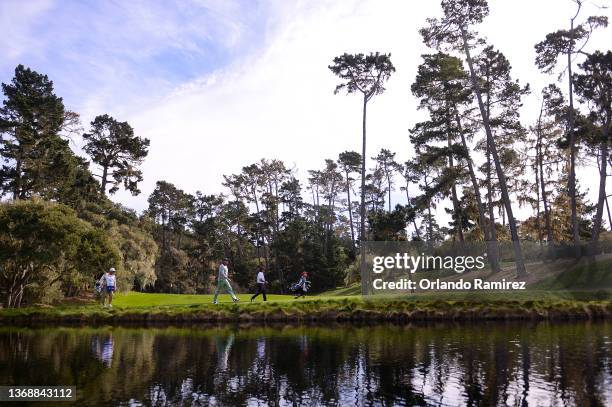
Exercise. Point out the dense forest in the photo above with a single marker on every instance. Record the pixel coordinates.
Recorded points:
(474, 157)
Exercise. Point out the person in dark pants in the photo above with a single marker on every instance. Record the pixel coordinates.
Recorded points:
(261, 285)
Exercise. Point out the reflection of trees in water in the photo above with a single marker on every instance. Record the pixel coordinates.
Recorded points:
(472, 365)
(65, 357)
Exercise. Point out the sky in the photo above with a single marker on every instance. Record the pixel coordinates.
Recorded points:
(219, 84)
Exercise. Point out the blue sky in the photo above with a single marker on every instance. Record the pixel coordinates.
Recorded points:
(219, 84)
(96, 50)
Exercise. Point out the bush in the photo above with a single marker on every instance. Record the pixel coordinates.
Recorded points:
(43, 244)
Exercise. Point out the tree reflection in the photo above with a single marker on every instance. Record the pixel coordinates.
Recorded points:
(486, 364)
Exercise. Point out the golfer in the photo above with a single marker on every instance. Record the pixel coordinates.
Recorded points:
(302, 285)
(108, 284)
(100, 288)
(261, 285)
(223, 281)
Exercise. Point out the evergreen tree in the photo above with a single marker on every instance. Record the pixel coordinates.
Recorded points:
(385, 160)
(502, 98)
(388, 226)
(439, 86)
(571, 44)
(375, 189)
(331, 181)
(114, 147)
(35, 159)
(546, 158)
(410, 174)
(365, 74)
(424, 172)
(453, 31)
(291, 197)
(594, 87)
(349, 162)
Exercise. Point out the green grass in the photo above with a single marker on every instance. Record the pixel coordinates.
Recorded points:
(136, 300)
(580, 291)
(140, 300)
(582, 277)
(140, 307)
(353, 289)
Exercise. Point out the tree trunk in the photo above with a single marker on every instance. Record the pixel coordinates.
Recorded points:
(17, 186)
(549, 236)
(350, 208)
(429, 218)
(20, 295)
(538, 215)
(492, 249)
(456, 206)
(365, 285)
(416, 229)
(326, 229)
(609, 216)
(163, 230)
(520, 265)
(260, 233)
(389, 186)
(572, 141)
(539, 180)
(104, 180)
(275, 234)
(238, 243)
(492, 228)
(429, 224)
(16, 288)
(318, 206)
(277, 215)
(602, 189)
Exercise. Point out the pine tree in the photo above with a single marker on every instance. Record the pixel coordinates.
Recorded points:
(571, 44)
(350, 162)
(365, 74)
(410, 174)
(546, 158)
(502, 98)
(35, 159)
(594, 87)
(385, 160)
(439, 86)
(453, 31)
(114, 147)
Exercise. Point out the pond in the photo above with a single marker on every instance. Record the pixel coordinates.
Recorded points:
(514, 364)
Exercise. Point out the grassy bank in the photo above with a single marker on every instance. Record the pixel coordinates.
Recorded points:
(560, 290)
(144, 308)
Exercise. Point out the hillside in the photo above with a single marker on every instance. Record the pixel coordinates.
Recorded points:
(561, 275)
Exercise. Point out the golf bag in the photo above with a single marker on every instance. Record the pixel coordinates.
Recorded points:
(300, 286)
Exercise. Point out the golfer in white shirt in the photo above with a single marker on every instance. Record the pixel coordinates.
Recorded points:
(223, 282)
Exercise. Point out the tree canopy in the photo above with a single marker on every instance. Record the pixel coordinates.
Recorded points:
(114, 147)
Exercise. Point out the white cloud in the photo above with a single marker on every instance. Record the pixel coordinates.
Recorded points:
(275, 99)
(278, 102)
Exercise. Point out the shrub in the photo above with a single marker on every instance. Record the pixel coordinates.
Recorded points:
(43, 244)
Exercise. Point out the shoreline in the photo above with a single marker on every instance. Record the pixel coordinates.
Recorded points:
(316, 311)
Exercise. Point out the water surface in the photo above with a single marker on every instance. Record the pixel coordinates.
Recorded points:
(487, 364)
